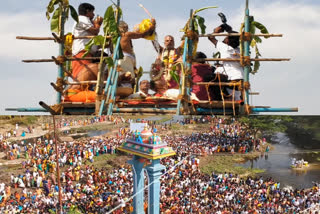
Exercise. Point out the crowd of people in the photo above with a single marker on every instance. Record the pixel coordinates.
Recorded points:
(184, 188)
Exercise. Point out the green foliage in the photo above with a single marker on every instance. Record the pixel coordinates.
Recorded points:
(110, 26)
(261, 27)
(196, 21)
(63, 9)
(267, 124)
(74, 13)
(138, 73)
(55, 20)
(175, 76)
(256, 39)
(97, 40)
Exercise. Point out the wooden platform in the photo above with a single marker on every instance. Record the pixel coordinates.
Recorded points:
(163, 107)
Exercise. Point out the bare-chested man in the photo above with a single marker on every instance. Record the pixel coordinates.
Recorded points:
(128, 62)
(168, 55)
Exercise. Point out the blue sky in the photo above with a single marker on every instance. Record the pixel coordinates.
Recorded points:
(285, 84)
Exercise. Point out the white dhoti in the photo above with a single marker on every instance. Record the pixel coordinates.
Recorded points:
(127, 64)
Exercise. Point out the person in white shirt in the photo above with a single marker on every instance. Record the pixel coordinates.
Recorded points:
(229, 48)
(85, 27)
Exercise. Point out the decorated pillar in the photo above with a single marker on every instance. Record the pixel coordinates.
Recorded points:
(154, 172)
(138, 185)
(146, 147)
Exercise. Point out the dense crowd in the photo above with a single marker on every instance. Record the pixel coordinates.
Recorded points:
(184, 189)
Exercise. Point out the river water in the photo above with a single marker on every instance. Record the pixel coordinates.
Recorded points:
(277, 164)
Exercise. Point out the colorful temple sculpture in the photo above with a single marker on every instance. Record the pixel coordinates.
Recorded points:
(146, 147)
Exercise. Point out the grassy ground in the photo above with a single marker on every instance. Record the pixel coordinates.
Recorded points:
(227, 163)
(21, 120)
(109, 161)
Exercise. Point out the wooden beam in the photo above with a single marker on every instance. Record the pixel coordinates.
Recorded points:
(216, 83)
(254, 93)
(238, 34)
(252, 59)
(52, 38)
(67, 59)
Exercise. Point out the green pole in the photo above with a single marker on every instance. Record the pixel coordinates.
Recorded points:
(61, 48)
(246, 51)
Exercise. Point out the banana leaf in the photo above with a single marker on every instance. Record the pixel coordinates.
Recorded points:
(109, 62)
(195, 26)
(201, 24)
(203, 8)
(256, 67)
(50, 7)
(175, 76)
(110, 24)
(257, 39)
(97, 40)
(74, 13)
(55, 20)
(261, 27)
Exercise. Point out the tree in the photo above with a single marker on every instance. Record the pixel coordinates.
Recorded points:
(267, 124)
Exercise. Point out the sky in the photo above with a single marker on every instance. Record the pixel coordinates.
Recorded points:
(280, 84)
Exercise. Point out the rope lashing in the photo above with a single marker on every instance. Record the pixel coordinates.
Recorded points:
(58, 108)
(183, 97)
(245, 61)
(246, 85)
(119, 69)
(192, 35)
(59, 84)
(59, 60)
(245, 36)
(101, 97)
(248, 109)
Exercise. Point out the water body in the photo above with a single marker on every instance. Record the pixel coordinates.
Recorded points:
(93, 133)
(277, 164)
(97, 133)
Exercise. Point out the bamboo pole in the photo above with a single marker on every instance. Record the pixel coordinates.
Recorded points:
(251, 59)
(254, 93)
(145, 110)
(67, 59)
(247, 53)
(109, 37)
(83, 82)
(52, 38)
(57, 162)
(239, 34)
(216, 83)
(207, 59)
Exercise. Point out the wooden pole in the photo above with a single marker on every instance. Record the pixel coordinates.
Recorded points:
(247, 68)
(52, 38)
(57, 162)
(207, 59)
(251, 59)
(216, 83)
(239, 34)
(62, 19)
(67, 59)
(83, 82)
